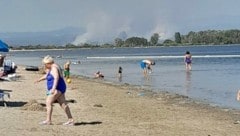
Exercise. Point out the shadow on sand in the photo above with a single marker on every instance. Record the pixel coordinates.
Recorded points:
(12, 104)
(87, 123)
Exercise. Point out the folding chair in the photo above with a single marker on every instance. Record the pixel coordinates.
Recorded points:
(2, 95)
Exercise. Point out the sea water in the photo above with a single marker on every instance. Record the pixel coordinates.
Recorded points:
(213, 79)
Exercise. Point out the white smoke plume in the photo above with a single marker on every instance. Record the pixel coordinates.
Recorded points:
(101, 28)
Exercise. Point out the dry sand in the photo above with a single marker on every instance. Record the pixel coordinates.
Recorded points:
(104, 109)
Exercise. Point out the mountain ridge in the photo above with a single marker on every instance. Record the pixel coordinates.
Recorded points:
(55, 37)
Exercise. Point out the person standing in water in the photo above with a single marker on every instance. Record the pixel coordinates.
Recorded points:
(120, 73)
(188, 60)
(146, 66)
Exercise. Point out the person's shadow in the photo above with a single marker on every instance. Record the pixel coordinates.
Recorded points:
(87, 123)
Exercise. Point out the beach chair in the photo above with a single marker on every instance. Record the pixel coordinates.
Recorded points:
(2, 95)
(9, 67)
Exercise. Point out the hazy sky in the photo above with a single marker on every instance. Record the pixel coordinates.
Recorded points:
(104, 19)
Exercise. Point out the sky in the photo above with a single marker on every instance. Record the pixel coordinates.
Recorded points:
(105, 19)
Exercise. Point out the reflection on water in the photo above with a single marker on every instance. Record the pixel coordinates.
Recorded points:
(146, 80)
(119, 78)
(188, 82)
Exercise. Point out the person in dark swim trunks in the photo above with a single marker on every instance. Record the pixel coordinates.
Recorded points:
(56, 88)
(188, 60)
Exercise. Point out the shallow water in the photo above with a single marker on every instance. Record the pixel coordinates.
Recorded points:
(214, 77)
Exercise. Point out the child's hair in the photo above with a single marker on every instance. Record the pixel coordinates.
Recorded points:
(187, 52)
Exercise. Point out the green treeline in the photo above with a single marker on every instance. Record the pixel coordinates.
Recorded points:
(215, 37)
(208, 37)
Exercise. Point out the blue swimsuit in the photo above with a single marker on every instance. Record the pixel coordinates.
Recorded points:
(61, 86)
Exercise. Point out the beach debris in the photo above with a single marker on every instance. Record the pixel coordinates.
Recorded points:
(10, 77)
(33, 105)
(31, 68)
(128, 92)
(98, 105)
(141, 94)
(237, 122)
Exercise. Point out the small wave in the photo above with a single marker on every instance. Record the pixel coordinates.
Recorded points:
(164, 57)
(217, 56)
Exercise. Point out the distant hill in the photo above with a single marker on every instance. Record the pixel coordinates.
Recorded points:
(57, 37)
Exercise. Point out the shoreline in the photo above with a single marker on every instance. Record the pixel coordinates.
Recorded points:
(175, 98)
(16, 50)
(106, 109)
(148, 91)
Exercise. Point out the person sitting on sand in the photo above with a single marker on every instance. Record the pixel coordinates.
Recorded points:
(99, 75)
(9, 67)
(146, 66)
(56, 88)
(2, 57)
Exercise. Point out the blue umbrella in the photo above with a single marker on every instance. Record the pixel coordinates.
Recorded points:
(3, 47)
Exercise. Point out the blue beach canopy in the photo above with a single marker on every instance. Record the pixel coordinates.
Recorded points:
(3, 47)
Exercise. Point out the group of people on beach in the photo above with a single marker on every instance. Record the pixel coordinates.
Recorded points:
(100, 75)
(147, 64)
(56, 86)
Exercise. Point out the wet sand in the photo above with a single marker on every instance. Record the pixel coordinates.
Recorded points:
(105, 109)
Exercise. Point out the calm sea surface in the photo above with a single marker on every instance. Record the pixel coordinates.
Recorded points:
(214, 78)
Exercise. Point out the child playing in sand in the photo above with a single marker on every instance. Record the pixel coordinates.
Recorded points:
(99, 75)
(67, 69)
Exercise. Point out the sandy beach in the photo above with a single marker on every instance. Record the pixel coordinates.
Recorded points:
(104, 109)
